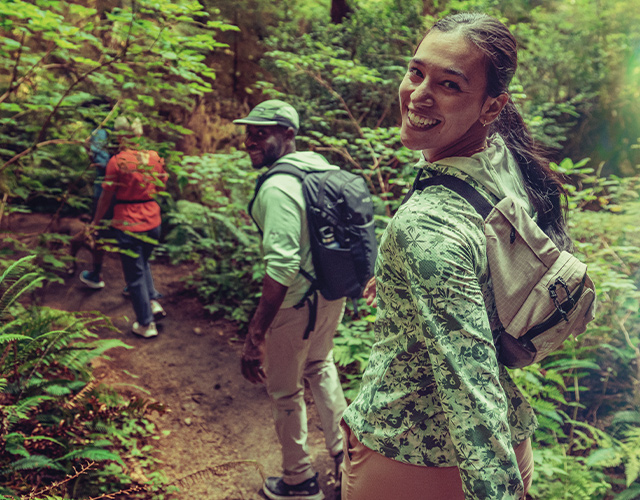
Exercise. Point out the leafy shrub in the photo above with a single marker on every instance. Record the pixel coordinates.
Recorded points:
(71, 68)
(55, 416)
(352, 346)
(216, 233)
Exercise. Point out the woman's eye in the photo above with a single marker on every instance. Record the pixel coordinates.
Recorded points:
(414, 72)
(451, 85)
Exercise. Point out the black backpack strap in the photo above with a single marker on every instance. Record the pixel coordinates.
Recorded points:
(413, 187)
(311, 295)
(311, 298)
(457, 185)
(278, 168)
(131, 202)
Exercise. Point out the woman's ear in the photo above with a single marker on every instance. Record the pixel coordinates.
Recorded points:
(492, 107)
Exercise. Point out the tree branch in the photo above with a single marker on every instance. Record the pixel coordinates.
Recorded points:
(14, 73)
(37, 146)
(375, 159)
(39, 142)
(24, 77)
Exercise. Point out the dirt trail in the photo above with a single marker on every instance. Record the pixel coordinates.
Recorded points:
(215, 417)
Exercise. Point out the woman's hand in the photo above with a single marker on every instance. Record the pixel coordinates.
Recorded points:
(370, 293)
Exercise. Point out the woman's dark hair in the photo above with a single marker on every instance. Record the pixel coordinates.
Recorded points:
(543, 186)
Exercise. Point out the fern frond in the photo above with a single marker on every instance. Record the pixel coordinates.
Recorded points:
(626, 417)
(73, 402)
(101, 427)
(210, 473)
(16, 269)
(94, 454)
(21, 409)
(5, 338)
(18, 278)
(631, 447)
(20, 286)
(632, 493)
(35, 462)
(80, 354)
(57, 390)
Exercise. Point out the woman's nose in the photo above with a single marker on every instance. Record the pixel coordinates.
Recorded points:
(423, 95)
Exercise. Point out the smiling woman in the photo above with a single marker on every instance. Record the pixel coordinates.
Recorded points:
(443, 98)
(437, 416)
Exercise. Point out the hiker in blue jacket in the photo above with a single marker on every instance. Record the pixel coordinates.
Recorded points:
(99, 155)
(275, 352)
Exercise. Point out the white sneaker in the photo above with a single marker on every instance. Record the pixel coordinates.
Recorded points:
(158, 312)
(145, 331)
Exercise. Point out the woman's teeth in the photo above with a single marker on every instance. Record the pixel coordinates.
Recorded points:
(421, 121)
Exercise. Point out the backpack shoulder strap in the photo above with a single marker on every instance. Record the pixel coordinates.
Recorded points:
(464, 189)
(279, 168)
(311, 295)
(285, 168)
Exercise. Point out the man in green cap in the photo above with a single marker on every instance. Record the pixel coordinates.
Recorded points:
(275, 352)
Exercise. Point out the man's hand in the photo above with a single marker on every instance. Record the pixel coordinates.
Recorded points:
(251, 362)
(253, 351)
(370, 292)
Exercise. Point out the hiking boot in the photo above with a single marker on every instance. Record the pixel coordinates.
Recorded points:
(158, 312)
(337, 460)
(276, 489)
(145, 331)
(91, 279)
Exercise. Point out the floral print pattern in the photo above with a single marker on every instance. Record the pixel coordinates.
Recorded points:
(434, 393)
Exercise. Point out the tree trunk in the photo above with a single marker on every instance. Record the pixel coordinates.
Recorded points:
(339, 10)
(428, 7)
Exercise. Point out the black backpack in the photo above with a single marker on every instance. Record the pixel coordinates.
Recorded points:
(341, 232)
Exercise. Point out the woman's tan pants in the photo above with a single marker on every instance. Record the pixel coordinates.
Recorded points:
(367, 475)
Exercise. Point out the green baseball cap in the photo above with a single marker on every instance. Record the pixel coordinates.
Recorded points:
(272, 112)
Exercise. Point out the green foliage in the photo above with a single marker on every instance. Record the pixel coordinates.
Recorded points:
(582, 83)
(352, 347)
(560, 476)
(625, 451)
(343, 81)
(69, 69)
(54, 416)
(216, 233)
(578, 390)
(15, 281)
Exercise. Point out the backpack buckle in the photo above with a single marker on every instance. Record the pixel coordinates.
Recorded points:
(554, 296)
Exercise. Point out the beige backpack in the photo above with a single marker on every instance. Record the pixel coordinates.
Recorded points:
(543, 295)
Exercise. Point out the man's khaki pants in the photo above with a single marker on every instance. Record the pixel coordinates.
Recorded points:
(289, 360)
